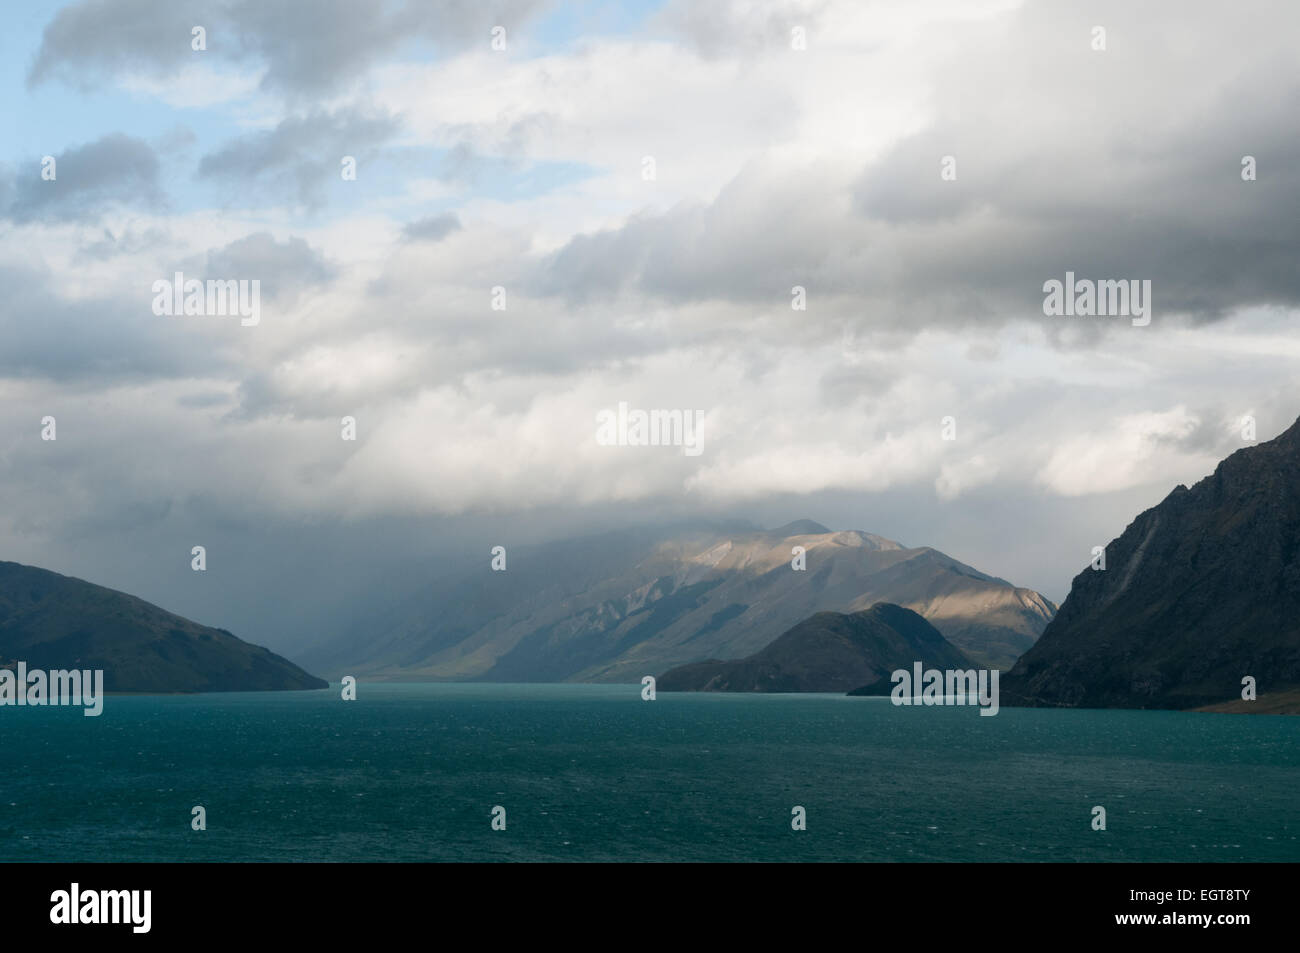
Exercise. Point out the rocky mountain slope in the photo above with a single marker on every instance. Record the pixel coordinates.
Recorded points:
(1199, 592)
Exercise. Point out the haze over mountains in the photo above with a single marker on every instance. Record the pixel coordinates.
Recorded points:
(623, 605)
(53, 622)
(1198, 592)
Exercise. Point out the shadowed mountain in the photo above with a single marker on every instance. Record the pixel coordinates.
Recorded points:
(623, 605)
(51, 621)
(1199, 592)
(831, 652)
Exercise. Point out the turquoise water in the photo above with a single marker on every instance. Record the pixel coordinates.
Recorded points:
(592, 772)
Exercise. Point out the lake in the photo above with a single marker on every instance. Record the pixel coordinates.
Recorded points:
(412, 772)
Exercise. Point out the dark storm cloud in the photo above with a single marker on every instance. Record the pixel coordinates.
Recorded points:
(846, 386)
(306, 47)
(310, 46)
(285, 269)
(93, 341)
(1170, 206)
(87, 40)
(113, 338)
(126, 242)
(762, 235)
(1123, 164)
(721, 29)
(301, 154)
(88, 179)
(432, 229)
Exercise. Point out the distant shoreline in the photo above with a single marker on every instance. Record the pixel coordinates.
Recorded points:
(1273, 703)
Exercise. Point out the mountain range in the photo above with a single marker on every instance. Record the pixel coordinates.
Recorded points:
(626, 604)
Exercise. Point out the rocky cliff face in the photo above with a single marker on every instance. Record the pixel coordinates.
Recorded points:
(1199, 592)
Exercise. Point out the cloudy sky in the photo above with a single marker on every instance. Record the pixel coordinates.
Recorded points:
(647, 182)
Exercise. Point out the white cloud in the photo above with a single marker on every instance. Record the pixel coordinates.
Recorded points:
(1136, 449)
